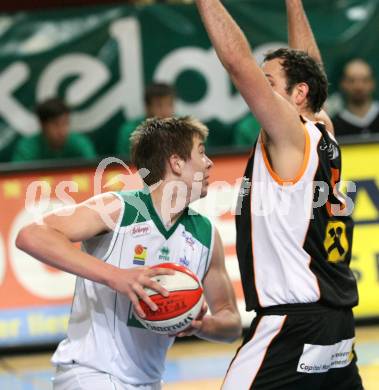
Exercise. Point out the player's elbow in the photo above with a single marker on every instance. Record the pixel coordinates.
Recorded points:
(235, 329)
(26, 239)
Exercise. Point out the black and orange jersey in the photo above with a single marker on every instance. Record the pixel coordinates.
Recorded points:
(294, 238)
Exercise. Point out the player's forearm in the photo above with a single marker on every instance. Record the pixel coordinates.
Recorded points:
(53, 248)
(227, 38)
(224, 326)
(300, 35)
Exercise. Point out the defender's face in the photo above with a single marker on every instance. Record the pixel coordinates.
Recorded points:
(195, 171)
(276, 77)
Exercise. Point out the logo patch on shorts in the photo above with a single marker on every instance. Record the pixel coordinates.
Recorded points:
(321, 358)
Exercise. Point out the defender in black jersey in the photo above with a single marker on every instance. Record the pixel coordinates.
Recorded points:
(294, 233)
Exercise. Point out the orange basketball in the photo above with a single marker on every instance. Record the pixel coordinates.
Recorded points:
(176, 311)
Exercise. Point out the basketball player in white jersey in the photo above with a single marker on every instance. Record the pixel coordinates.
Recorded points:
(106, 347)
(294, 256)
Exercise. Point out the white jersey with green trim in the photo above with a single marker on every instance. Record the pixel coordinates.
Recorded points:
(103, 332)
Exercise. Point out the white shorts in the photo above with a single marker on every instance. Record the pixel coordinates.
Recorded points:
(76, 377)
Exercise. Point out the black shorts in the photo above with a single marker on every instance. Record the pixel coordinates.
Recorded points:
(297, 347)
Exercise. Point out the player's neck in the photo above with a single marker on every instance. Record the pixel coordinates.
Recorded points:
(168, 203)
(309, 115)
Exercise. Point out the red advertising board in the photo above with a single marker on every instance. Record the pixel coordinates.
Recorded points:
(35, 299)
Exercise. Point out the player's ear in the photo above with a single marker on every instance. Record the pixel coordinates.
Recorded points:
(301, 92)
(176, 164)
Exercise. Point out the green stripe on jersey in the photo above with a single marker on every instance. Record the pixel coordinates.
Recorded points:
(199, 226)
(135, 208)
(139, 208)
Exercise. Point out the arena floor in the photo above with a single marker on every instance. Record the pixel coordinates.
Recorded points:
(190, 366)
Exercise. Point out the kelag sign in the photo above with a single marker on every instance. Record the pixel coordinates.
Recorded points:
(100, 59)
(35, 299)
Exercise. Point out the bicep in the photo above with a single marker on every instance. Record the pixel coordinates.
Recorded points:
(218, 288)
(85, 220)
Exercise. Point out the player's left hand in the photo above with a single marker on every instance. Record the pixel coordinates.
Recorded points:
(196, 325)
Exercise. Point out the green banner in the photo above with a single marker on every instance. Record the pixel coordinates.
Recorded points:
(100, 58)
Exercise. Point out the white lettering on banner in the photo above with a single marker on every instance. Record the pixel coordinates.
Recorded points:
(2, 260)
(127, 94)
(33, 275)
(218, 101)
(10, 109)
(91, 73)
(322, 358)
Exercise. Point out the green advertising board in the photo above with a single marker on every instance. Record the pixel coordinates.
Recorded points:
(100, 59)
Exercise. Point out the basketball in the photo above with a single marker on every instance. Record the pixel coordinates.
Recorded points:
(176, 311)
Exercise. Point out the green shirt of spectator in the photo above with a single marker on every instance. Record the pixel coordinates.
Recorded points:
(37, 148)
(123, 142)
(55, 140)
(159, 103)
(247, 131)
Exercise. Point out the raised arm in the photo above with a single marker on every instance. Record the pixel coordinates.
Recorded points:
(52, 242)
(300, 35)
(234, 52)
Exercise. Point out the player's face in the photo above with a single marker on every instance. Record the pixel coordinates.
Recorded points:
(56, 130)
(196, 170)
(161, 107)
(276, 77)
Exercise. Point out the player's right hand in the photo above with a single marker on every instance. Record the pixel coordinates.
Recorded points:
(133, 281)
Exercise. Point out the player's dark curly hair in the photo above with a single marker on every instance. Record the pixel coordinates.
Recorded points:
(299, 67)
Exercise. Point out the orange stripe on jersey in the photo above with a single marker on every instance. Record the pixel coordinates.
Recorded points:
(252, 244)
(303, 167)
(333, 181)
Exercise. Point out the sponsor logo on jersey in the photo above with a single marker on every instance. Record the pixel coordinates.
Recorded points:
(140, 230)
(164, 254)
(189, 240)
(331, 148)
(184, 261)
(336, 243)
(140, 254)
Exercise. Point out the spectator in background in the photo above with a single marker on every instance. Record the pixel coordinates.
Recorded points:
(247, 131)
(361, 113)
(159, 103)
(55, 140)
